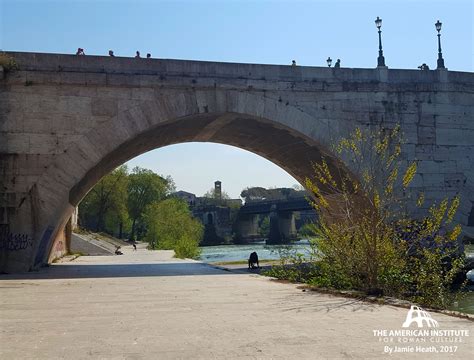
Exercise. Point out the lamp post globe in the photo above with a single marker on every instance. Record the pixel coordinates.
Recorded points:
(440, 62)
(329, 61)
(380, 59)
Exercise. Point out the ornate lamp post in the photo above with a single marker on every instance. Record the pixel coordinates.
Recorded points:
(329, 61)
(440, 55)
(380, 59)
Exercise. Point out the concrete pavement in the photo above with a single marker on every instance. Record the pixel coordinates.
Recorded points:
(148, 305)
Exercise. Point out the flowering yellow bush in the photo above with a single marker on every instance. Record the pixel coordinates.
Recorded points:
(365, 236)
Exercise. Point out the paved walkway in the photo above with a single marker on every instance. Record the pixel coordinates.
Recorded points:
(147, 305)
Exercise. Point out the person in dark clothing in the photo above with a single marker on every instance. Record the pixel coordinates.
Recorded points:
(253, 259)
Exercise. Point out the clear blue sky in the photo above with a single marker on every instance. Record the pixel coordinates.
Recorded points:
(272, 32)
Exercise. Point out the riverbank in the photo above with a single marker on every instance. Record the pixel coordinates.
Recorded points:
(234, 258)
(463, 308)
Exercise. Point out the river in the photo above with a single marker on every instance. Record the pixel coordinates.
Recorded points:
(225, 253)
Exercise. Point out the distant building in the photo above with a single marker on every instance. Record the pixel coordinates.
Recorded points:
(190, 198)
(233, 203)
(217, 223)
(217, 215)
(218, 189)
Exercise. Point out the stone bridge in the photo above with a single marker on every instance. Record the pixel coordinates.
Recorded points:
(282, 219)
(66, 121)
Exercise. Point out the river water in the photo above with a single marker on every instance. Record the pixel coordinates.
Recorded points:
(241, 252)
(226, 253)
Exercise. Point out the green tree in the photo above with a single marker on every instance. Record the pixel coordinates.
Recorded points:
(170, 225)
(106, 200)
(211, 194)
(261, 194)
(144, 187)
(254, 193)
(211, 198)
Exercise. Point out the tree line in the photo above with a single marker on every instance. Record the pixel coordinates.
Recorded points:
(138, 205)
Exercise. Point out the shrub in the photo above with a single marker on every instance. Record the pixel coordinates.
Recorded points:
(170, 226)
(366, 239)
(8, 62)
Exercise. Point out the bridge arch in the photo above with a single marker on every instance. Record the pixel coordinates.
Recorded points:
(278, 132)
(65, 121)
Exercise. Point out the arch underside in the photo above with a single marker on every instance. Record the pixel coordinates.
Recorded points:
(292, 151)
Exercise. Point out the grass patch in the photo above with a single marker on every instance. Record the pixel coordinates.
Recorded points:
(77, 254)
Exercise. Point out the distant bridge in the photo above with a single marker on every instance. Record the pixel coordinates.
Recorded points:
(282, 218)
(265, 207)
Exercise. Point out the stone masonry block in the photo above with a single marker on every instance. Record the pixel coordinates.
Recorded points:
(424, 152)
(454, 136)
(426, 135)
(432, 180)
(428, 167)
(454, 180)
(104, 107)
(447, 167)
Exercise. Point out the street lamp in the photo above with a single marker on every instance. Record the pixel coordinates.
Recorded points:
(440, 55)
(329, 61)
(380, 59)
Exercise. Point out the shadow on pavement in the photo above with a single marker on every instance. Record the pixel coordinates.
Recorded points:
(242, 269)
(332, 302)
(76, 271)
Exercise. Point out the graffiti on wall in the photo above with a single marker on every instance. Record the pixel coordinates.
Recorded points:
(59, 247)
(14, 242)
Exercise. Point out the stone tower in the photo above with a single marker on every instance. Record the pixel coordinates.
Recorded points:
(218, 190)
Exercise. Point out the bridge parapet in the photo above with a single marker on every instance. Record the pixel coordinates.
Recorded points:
(262, 207)
(41, 62)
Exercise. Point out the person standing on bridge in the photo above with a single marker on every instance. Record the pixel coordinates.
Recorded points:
(137, 54)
